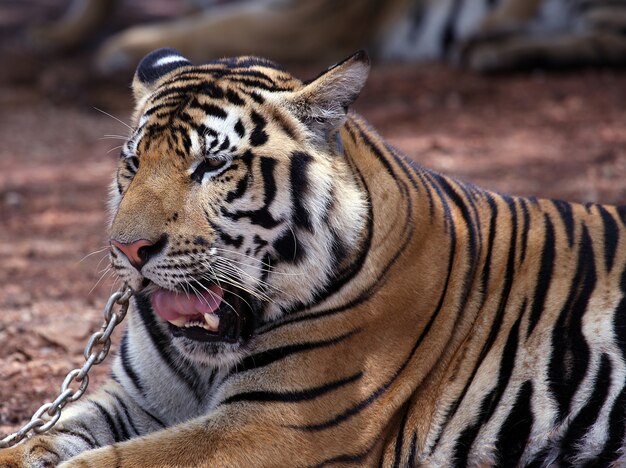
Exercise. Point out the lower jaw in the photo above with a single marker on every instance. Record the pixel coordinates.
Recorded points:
(217, 355)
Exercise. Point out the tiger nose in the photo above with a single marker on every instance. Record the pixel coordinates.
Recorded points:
(138, 252)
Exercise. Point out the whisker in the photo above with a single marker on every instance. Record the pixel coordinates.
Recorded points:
(115, 148)
(238, 284)
(114, 118)
(227, 303)
(113, 137)
(268, 270)
(93, 253)
(221, 299)
(107, 271)
(232, 268)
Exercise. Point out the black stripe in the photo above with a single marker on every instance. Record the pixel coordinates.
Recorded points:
(544, 279)
(570, 353)
(224, 236)
(225, 144)
(234, 99)
(472, 247)
(256, 97)
(397, 456)
(565, 211)
(490, 402)
(514, 433)
(83, 436)
(588, 414)
(240, 129)
(259, 242)
(258, 84)
(185, 88)
(161, 342)
(128, 367)
(616, 426)
(525, 229)
(339, 418)
(412, 451)
(288, 249)
(158, 421)
(292, 396)
(128, 416)
(258, 136)
(299, 188)
(492, 216)
(240, 189)
(117, 437)
(345, 458)
(611, 237)
(269, 182)
(377, 152)
(126, 413)
(340, 278)
(269, 356)
(336, 283)
(261, 217)
(208, 109)
(616, 432)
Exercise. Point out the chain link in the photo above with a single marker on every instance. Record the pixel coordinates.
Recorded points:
(95, 352)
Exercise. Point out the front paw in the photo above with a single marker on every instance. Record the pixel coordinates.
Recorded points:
(34, 453)
(99, 458)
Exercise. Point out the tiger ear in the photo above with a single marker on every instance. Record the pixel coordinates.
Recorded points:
(152, 67)
(322, 104)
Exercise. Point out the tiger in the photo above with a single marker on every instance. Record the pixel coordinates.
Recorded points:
(482, 35)
(305, 295)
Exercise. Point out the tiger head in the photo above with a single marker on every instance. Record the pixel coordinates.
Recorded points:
(233, 203)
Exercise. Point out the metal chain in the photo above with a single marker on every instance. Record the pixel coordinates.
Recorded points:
(95, 352)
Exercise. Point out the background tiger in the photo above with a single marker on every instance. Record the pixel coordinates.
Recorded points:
(307, 297)
(485, 35)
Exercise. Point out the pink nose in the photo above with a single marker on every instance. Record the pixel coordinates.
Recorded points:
(137, 252)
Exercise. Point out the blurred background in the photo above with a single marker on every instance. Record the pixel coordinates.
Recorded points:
(546, 128)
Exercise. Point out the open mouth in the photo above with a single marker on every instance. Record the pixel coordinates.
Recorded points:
(212, 314)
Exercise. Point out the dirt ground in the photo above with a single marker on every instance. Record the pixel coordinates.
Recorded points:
(550, 135)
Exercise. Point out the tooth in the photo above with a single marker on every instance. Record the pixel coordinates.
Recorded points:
(179, 322)
(212, 320)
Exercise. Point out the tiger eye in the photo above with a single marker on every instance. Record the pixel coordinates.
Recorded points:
(207, 165)
(215, 163)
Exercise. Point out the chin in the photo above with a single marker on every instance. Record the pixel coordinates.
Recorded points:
(215, 355)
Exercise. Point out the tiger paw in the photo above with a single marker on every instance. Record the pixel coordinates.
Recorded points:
(34, 453)
(98, 458)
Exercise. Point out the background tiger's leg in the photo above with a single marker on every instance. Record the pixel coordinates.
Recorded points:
(509, 14)
(81, 20)
(109, 416)
(282, 31)
(592, 49)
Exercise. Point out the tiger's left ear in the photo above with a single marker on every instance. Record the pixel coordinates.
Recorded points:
(154, 66)
(322, 104)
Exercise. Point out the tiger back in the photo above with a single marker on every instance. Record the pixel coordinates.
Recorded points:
(306, 296)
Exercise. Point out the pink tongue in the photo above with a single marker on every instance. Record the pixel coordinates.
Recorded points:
(171, 305)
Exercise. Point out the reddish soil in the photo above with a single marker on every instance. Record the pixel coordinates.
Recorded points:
(550, 135)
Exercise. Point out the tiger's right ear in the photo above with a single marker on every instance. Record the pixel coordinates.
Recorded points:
(322, 104)
(154, 66)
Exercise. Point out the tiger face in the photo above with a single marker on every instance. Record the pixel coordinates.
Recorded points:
(233, 203)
